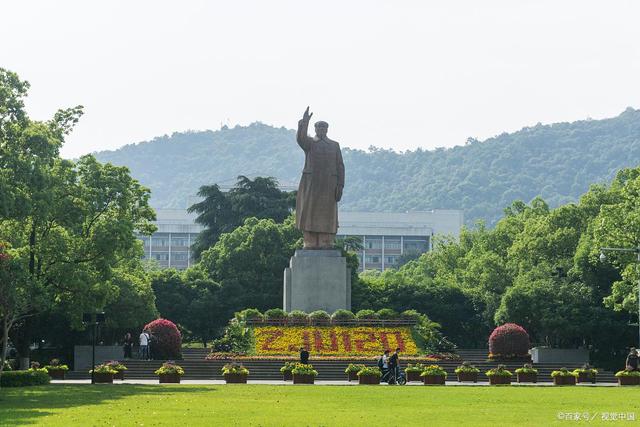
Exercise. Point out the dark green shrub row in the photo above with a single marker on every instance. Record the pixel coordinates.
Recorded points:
(24, 378)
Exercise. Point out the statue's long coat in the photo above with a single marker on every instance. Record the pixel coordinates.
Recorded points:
(323, 174)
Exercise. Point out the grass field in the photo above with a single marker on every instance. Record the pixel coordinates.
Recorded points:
(264, 405)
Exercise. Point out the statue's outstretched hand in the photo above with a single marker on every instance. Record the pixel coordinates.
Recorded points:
(338, 193)
(307, 115)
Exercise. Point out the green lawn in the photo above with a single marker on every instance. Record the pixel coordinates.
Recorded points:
(263, 405)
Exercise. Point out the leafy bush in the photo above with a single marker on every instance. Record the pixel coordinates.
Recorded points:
(500, 371)
(628, 373)
(508, 341)
(114, 364)
(563, 372)
(168, 368)
(235, 368)
(466, 368)
(410, 315)
(288, 367)
(103, 369)
(343, 316)
(319, 317)
(249, 314)
(24, 378)
(275, 314)
(7, 366)
(433, 370)
(166, 339)
(387, 314)
(298, 317)
(527, 369)
(237, 338)
(302, 369)
(54, 365)
(364, 315)
(354, 367)
(586, 369)
(418, 367)
(370, 372)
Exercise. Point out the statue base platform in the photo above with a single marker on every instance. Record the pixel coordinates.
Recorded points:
(317, 279)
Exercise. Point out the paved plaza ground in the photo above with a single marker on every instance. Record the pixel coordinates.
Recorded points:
(195, 403)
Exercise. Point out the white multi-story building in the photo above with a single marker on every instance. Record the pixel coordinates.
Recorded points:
(385, 237)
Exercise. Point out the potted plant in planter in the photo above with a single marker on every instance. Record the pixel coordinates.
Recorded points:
(103, 374)
(119, 368)
(628, 377)
(235, 373)
(433, 374)
(499, 375)
(169, 372)
(56, 370)
(369, 375)
(527, 374)
(286, 370)
(467, 372)
(563, 376)
(304, 374)
(413, 371)
(586, 374)
(352, 370)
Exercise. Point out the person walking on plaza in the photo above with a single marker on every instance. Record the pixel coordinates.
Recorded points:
(632, 360)
(128, 345)
(304, 356)
(143, 352)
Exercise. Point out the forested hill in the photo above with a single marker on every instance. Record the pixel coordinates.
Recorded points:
(558, 162)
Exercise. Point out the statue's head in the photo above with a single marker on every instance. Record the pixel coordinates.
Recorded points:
(321, 129)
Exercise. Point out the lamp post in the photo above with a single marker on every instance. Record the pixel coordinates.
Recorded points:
(94, 319)
(636, 251)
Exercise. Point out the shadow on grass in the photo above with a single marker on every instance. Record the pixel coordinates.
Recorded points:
(25, 405)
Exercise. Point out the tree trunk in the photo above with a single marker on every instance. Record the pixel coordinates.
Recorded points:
(6, 325)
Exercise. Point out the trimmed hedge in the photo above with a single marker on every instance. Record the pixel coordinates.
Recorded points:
(509, 341)
(24, 378)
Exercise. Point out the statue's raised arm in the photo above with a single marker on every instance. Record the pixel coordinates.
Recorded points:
(304, 140)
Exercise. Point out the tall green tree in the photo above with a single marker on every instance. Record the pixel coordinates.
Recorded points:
(221, 212)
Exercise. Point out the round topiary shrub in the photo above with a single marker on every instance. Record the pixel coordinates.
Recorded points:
(364, 316)
(166, 341)
(298, 317)
(275, 314)
(343, 316)
(387, 314)
(250, 314)
(411, 315)
(319, 317)
(509, 341)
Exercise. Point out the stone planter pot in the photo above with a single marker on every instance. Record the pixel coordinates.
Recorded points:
(527, 378)
(101, 378)
(628, 380)
(119, 375)
(499, 380)
(57, 374)
(303, 379)
(236, 378)
(287, 376)
(413, 376)
(353, 376)
(564, 380)
(586, 378)
(369, 379)
(468, 377)
(169, 378)
(433, 379)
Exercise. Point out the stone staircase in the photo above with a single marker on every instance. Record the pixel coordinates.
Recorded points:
(197, 368)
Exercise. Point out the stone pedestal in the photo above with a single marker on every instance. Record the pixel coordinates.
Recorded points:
(317, 280)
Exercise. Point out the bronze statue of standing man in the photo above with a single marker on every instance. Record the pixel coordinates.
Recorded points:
(320, 187)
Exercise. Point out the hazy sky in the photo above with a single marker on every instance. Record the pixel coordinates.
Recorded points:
(397, 74)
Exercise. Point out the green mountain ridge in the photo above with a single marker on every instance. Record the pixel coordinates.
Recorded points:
(557, 162)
